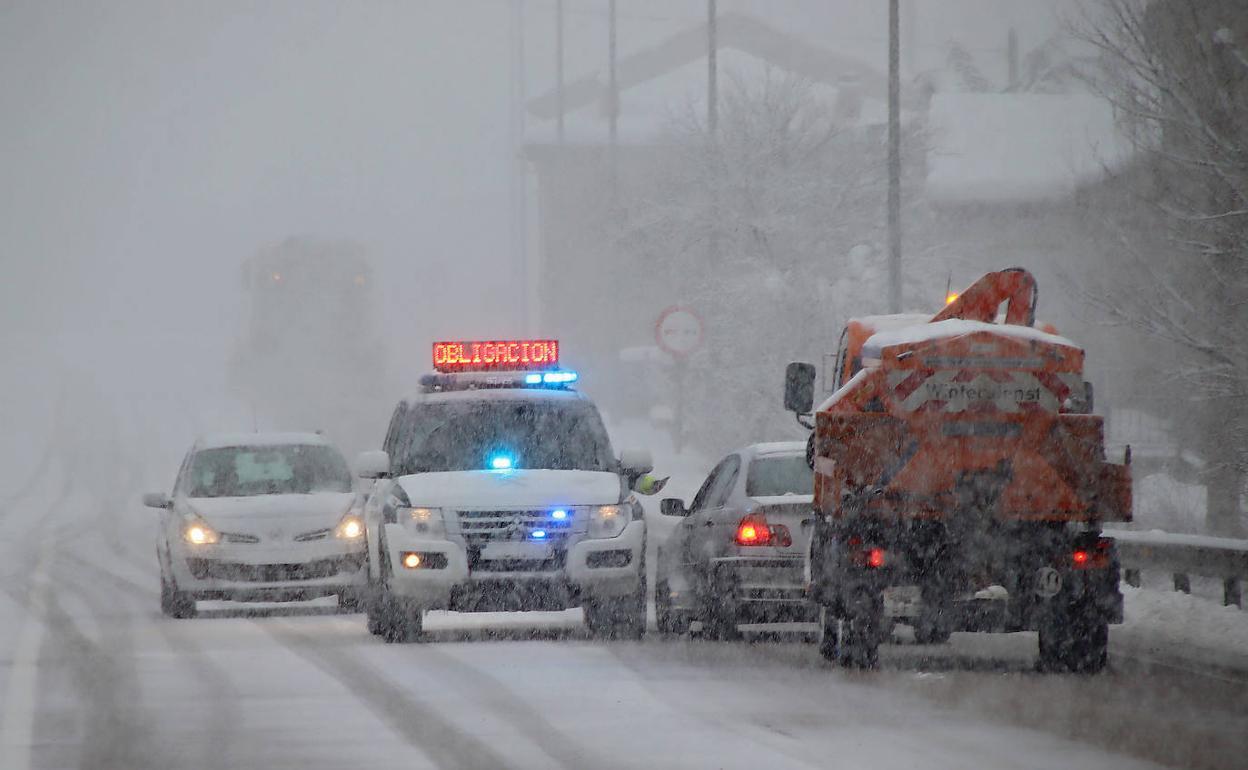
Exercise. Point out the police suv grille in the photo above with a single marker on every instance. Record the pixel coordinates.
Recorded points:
(483, 526)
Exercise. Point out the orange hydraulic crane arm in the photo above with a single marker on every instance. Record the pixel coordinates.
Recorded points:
(1014, 286)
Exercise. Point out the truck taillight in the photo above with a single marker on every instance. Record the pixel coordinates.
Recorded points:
(869, 557)
(1096, 556)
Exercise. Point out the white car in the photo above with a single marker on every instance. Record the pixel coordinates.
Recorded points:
(500, 494)
(259, 517)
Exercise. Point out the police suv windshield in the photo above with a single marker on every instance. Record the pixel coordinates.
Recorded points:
(470, 435)
(267, 470)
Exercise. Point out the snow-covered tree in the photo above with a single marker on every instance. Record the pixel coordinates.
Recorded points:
(1177, 74)
(773, 230)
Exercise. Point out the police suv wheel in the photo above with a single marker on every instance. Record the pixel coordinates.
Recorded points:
(622, 617)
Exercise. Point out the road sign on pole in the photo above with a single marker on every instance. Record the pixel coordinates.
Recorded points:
(678, 331)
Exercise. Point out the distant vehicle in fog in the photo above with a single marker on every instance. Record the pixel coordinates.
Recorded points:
(259, 517)
(309, 341)
(738, 556)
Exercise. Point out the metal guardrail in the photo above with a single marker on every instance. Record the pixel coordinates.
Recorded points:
(1182, 556)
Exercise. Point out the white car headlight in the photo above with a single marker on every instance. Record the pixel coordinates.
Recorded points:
(607, 520)
(197, 532)
(350, 528)
(426, 522)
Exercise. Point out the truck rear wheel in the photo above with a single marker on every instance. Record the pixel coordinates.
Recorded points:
(1077, 642)
(829, 635)
(861, 632)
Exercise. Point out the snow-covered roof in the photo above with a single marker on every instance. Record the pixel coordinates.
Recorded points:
(218, 440)
(659, 82)
(955, 327)
(995, 148)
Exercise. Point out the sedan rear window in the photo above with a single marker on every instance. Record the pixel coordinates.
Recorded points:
(782, 475)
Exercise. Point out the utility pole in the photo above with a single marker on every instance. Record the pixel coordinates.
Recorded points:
(712, 68)
(519, 187)
(559, 69)
(894, 158)
(613, 97)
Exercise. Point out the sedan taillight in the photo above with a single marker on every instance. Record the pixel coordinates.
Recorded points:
(754, 530)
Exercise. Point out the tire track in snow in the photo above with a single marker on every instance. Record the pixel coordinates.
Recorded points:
(212, 679)
(500, 699)
(417, 722)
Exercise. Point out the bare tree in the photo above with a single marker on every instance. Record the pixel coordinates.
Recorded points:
(772, 229)
(1176, 72)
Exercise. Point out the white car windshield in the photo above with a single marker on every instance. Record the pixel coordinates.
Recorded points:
(473, 435)
(268, 470)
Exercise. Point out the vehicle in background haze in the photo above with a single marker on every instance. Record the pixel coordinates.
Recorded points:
(737, 556)
(259, 517)
(958, 461)
(498, 490)
(309, 339)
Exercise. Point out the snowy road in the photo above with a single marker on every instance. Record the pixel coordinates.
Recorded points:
(119, 686)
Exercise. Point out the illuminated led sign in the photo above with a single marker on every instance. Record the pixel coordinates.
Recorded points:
(495, 355)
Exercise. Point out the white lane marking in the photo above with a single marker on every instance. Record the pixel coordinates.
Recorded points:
(17, 727)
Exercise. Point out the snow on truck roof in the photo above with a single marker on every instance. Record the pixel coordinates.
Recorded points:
(957, 327)
(219, 440)
(778, 448)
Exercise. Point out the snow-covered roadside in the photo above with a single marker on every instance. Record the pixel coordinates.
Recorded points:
(1178, 628)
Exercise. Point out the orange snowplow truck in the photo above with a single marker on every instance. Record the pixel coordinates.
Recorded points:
(961, 482)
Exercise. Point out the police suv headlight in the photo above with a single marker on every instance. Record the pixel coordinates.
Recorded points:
(607, 520)
(197, 532)
(426, 522)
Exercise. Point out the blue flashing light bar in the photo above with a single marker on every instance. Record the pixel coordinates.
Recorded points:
(538, 534)
(502, 463)
(441, 381)
(559, 515)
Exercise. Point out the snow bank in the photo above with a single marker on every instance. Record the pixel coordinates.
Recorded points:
(1177, 625)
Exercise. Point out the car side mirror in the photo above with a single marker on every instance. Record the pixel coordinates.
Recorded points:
(374, 464)
(672, 506)
(799, 387)
(157, 500)
(636, 462)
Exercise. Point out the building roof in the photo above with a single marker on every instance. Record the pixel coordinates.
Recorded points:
(1019, 147)
(655, 80)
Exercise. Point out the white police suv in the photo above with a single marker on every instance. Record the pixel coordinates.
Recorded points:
(498, 490)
